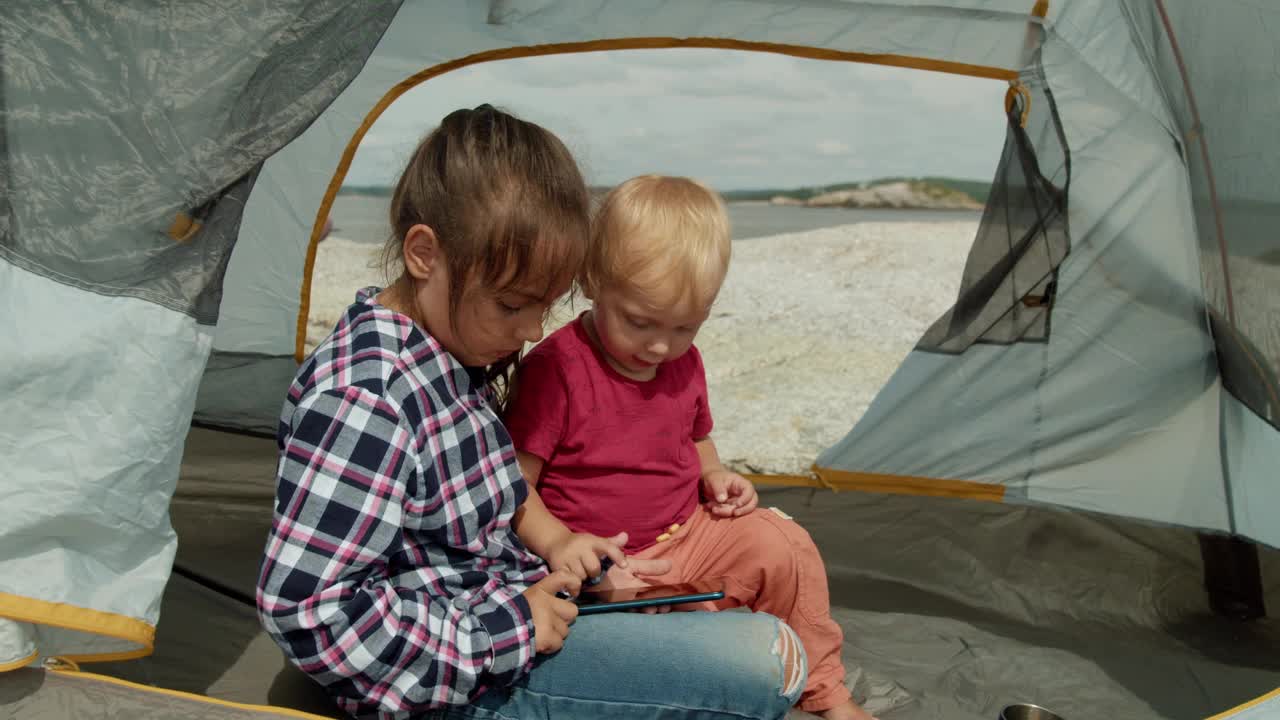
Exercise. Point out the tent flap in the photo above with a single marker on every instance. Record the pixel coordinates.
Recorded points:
(115, 119)
(119, 118)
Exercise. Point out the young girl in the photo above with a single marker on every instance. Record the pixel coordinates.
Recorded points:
(398, 572)
(612, 423)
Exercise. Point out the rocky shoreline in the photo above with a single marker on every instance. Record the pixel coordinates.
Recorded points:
(897, 195)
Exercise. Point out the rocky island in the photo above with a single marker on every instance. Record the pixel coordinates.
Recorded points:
(906, 194)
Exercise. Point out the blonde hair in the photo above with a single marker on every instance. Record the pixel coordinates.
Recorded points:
(665, 236)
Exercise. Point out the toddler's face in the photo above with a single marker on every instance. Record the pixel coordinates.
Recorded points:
(638, 334)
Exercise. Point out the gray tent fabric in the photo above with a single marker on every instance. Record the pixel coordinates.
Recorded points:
(243, 391)
(39, 695)
(1224, 108)
(120, 116)
(1125, 406)
(117, 120)
(951, 608)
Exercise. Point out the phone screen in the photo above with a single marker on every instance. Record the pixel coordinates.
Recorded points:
(593, 601)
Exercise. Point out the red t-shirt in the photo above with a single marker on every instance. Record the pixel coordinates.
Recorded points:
(619, 453)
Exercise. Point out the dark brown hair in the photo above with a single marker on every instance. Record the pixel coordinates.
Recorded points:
(506, 201)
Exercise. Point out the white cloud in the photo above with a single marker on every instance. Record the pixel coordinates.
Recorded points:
(735, 119)
(832, 147)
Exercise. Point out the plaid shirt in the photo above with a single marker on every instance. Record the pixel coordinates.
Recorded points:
(392, 574)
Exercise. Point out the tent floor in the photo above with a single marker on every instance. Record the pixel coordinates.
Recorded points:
(951, 608)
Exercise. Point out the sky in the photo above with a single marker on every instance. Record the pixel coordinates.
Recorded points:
(737, 120)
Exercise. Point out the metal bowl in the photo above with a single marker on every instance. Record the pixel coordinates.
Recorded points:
(1026, 711)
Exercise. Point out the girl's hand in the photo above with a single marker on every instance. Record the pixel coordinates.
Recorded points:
(552, 615)
(728, 493)
(580, 553)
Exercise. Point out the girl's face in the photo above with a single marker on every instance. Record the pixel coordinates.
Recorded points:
(490, 323)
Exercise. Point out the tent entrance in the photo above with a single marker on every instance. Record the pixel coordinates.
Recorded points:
(652, 43)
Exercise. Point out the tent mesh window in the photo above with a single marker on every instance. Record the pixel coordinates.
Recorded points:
(1007, 290)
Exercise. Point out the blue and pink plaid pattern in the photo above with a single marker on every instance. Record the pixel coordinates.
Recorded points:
(392, 574)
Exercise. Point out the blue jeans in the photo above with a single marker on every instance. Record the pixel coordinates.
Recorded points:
(624, 666)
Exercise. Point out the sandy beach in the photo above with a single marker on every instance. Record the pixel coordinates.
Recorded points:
(806, 330)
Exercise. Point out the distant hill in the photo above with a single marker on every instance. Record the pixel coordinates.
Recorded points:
(370, 190)
(381, 191)
(976, 189)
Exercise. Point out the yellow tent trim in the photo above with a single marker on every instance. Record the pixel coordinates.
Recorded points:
(1241, 708)
(880, 483)
(184, 227)
(15, 664)
(204, 699)
(94, 622)
(643, 43)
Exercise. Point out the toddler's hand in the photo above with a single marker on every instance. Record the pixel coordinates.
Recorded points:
(580, 553)
(634, 574)
(728, 493)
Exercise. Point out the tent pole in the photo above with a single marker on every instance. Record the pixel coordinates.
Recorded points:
(1232, 576)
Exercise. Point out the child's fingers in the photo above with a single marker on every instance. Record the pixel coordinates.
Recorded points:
(721, 488)
(717, 487)
(612, 549)
(561, 627)
(617, 578)
(560, 580)
(650, 566)
(590, 565)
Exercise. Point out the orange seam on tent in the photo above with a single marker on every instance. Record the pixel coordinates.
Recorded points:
(71, 617)
(60, 663)
(288, 712)
(908, 485)
(1016, 88)
(183, 228)
(1041, 9)
(838, 480)
(15, 664)
(108, 657)
(1241, 708)
(645, 43)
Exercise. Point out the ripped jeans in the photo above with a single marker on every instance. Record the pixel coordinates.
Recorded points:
(629, 666)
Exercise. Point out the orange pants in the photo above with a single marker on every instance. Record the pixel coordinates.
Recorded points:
(769, 564)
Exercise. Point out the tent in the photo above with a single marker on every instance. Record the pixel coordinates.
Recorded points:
(1106, 381)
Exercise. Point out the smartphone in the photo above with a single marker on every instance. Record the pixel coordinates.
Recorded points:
(590, 602)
